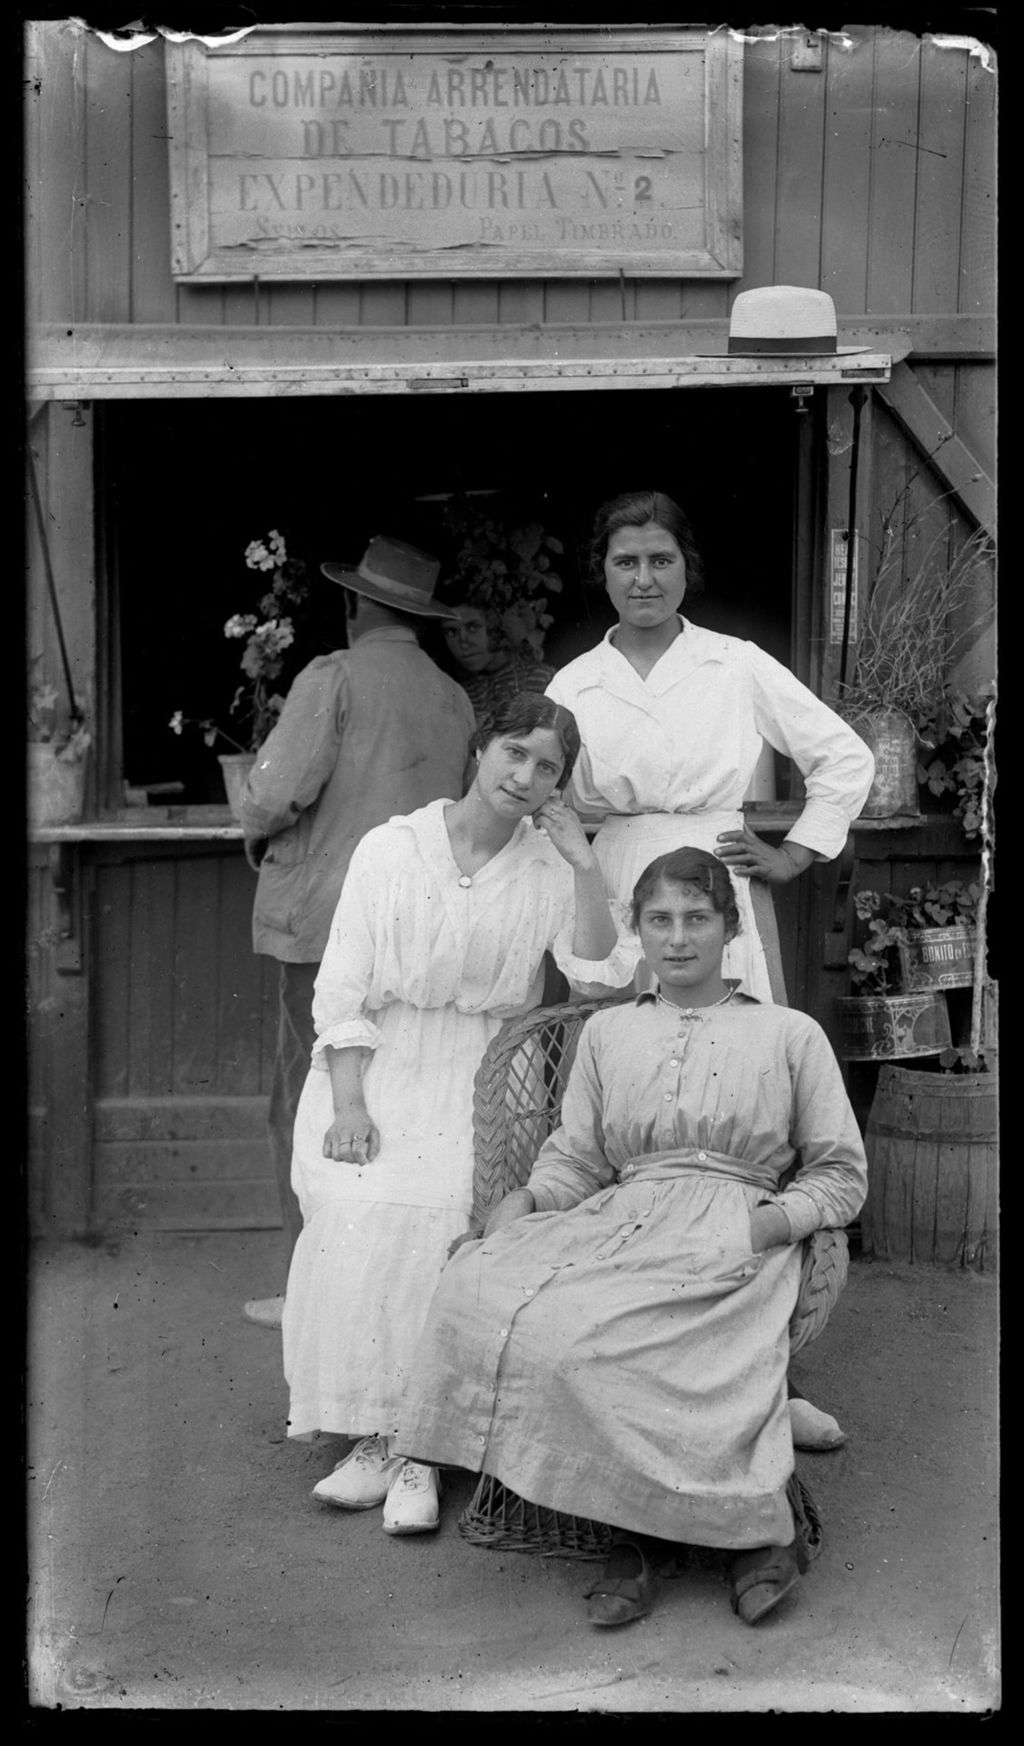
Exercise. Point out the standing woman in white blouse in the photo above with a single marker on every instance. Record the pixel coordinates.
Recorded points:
(672, 719)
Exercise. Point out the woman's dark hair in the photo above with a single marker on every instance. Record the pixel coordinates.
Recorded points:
(690, 867)
(465, 592)
(639, 509)
(528, 710)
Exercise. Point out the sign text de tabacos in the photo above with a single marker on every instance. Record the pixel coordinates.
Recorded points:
(444, 115)
(301, 154)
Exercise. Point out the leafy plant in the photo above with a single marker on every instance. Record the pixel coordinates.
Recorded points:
(956, 738)
(505, 566)
(874, 965)
(913, 627)
(967, 1060)
(267, 633)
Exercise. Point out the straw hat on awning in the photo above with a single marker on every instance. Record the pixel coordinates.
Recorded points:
(785, 321)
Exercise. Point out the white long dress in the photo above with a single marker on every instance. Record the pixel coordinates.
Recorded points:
(421, 969)
(667, 761)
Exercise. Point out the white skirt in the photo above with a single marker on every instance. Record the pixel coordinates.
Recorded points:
(376, 1238)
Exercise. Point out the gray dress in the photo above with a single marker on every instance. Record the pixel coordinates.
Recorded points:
(621, 1353)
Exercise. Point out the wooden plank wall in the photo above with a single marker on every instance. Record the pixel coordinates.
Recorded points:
(59, 1066)
(873, 179)
(904, 484)
(149, 1072)
(184, 1023)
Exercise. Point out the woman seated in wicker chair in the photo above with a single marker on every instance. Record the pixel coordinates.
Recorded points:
(616, 1345)
(438, 938)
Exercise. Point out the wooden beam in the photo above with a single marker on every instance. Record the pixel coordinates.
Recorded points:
(60, 351)
(946, 453)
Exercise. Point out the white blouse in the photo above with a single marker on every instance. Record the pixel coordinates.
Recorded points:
(406, 930)
(687, 738)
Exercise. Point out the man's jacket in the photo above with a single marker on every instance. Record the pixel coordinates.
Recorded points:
(367, 733)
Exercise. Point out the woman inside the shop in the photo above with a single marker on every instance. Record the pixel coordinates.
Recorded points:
(672, 720)
(615, 1348)
(439, 935)
(485, 659)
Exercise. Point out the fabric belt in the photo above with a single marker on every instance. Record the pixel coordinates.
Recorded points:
(692, 1161)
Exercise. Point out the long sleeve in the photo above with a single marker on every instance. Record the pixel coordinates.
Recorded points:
(571, 1164)
(836, 765)
(599, 976)
(300, 754)
(346, 970)
(831, 1183)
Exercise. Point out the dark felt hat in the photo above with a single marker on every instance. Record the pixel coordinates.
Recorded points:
(394, 575)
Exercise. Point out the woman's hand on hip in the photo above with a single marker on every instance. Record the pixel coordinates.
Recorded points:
(746, 853)
(769, 1228)
(562, 827)
(352, 1137)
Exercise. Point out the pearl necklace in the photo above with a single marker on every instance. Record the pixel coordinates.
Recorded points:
(723, 1002)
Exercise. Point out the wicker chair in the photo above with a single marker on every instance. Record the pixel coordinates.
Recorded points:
(517, 1103)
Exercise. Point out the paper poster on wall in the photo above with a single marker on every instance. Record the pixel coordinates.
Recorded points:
(837, 585)
(301, 153)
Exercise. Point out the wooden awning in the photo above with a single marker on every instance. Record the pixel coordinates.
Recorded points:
(105, 362)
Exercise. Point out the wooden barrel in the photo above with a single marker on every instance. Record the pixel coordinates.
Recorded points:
(931, 1142)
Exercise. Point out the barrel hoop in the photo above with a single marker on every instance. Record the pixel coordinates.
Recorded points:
(943, 1136)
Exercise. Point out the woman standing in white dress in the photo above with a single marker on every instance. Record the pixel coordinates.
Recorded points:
(438, 937)
(673, 718)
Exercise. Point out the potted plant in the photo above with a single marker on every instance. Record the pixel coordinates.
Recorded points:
(266, 634)
(58, 745)
(932, 929)
(937, 948)
(883, 1019)
(911, 633)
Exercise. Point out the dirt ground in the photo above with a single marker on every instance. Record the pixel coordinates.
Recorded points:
(178, 1562)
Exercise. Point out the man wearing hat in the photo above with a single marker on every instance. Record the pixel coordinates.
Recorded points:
(370, 732)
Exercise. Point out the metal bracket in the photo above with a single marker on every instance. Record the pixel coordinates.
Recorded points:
(836, 941)
(806, 56)
(801, 392)
(68, 895)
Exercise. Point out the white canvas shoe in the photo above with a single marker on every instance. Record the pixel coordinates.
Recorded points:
(814, 1430)
(361, 1481)
(412, 1502)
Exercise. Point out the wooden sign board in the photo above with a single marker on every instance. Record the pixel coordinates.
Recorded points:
(301, 154)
